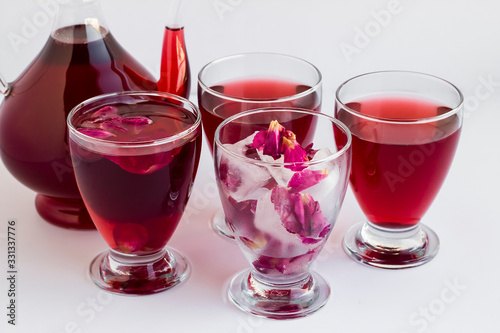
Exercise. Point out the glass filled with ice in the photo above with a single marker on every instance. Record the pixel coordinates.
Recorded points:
(282, 176)
(135, 157)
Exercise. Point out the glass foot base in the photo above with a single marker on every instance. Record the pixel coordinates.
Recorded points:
(385, 248)
(220, 226)
(66, 213)
(283, 301)
(139, 275)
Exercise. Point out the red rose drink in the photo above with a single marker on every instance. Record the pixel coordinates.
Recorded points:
(396, 172)
(252, 94)
(280, 199)
(135, 157)
(405, 128)
(135, 199)
(238, 83)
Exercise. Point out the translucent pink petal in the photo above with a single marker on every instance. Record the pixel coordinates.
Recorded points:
(286, 266)
(293, 152)
(259, 140)
(104, 113)
(305, 179)
(133, 121)
(96, 133)
(273, 140)
(111, 126)
(229, 178)
(300, 214)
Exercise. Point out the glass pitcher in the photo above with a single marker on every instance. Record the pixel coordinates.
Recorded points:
(81, 59)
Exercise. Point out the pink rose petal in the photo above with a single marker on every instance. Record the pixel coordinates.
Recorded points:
(286, 266)
(96, 133)
(305, 179)
(300, 215)
(104, 113)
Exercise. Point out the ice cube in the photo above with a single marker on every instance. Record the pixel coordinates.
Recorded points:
(107, 119)
(332, 167)
(96, 133)
(281, 243)
(243, 180)
(280, 174)
(327, 190)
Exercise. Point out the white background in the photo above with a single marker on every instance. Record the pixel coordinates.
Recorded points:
(458, 40)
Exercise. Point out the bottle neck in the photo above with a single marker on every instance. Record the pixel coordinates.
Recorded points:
(86, 13)
(174, 19)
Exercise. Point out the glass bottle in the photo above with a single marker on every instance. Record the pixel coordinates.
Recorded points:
(80, 60)
(175, 76)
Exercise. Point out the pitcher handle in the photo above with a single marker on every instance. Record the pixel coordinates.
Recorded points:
(4, 86)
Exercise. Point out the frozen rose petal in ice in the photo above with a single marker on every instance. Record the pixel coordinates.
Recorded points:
(266, 265)
(243, 181)
(104, 113)
(111, 126)
(96, 133)
(286, 266)
(300, 214)
(270, 141)
(254, 245)
(310, 151)
(314, 224)
(134, 124)
(297, 264)
(306, 178)
(281, 199)
(134, 121)
(293, 152)
(258, 140)
(229, 178)
(130, 237)
(273, 142)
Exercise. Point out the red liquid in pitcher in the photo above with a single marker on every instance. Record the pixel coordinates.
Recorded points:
(136, 196)
(78, 62)
(215, 109)
(397, 170)
(175, 76)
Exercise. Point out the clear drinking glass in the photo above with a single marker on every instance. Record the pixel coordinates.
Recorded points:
(135, 156)
(405, 127)
(282, 175)
(233, 84)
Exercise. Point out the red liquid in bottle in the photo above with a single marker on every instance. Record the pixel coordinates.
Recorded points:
(262, 93)
(175, 76)
(78, 62)
(397, 170)
(137, 200)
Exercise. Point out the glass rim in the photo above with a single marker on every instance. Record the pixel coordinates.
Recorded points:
(313, 88)
(328, 158)
(445, 115)
(136, 144)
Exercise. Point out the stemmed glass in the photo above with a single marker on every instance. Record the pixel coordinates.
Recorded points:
(248, 81)
(135, 156)
(405, 127)
(282, 175)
